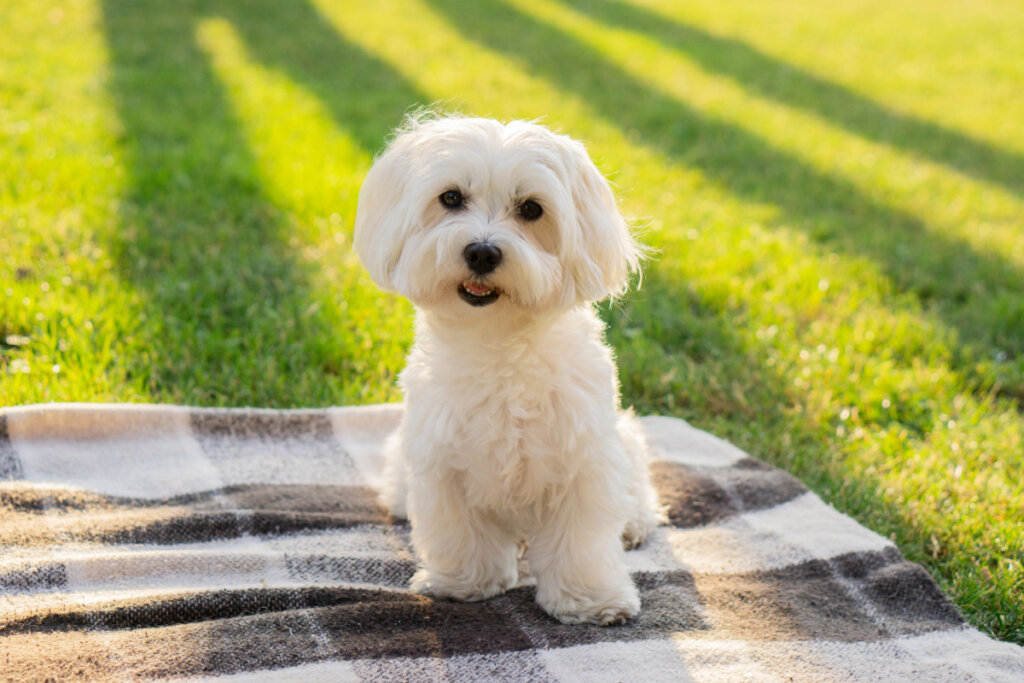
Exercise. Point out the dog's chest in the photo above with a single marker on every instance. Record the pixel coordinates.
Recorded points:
(514, 449)
(513, 419)
(513, 430)
(517, 413)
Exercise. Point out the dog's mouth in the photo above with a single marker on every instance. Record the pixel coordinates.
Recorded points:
(478, 294)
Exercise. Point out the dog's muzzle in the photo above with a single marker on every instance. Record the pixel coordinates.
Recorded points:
(482, 258)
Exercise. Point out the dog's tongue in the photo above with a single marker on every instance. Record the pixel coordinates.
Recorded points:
(476, 289)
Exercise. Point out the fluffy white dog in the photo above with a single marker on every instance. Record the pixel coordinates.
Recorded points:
(503, 235)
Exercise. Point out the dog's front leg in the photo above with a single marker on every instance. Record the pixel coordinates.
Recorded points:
(578, 559)
(465, 552)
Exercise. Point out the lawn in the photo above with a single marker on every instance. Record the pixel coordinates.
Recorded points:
(835, 192)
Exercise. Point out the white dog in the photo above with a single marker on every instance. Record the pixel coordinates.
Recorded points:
(503, 235)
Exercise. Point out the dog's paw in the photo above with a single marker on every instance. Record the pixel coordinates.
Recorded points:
(611, 607)
(437, 585)
(638, 529)
(634, 535)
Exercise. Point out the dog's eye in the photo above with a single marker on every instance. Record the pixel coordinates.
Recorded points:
(451, 199)
(530, 210)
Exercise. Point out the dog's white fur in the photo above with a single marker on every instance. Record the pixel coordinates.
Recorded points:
(512, 436)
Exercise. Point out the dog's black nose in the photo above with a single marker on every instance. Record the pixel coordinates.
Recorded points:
(482, 257)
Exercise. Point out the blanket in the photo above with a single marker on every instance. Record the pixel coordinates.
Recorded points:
(169, 542)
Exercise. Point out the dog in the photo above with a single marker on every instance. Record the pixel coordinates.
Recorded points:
(503, 236)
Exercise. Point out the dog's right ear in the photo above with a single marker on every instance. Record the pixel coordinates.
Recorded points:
(381, 217)
(603, 251)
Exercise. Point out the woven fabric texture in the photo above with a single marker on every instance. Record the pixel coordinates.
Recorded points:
(167, 542)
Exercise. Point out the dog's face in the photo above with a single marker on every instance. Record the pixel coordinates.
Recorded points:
(473, 217)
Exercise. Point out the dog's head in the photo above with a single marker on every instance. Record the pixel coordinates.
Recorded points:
(467, 215)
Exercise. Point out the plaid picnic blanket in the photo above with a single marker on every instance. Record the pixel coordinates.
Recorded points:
(165, 542)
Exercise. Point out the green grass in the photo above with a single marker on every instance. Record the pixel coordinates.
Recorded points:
(836, 193)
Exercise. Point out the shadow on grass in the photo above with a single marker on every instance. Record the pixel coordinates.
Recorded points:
(198, 237)
(778, 80)
(365, 96)
(680, 354)
(673, 345)
(978, 294)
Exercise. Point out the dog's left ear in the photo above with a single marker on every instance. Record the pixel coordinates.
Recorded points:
(382, 218)
(602, 251)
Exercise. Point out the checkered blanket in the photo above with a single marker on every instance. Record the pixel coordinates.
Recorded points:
(148, 541)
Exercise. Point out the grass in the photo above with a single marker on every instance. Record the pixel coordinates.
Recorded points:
(836, 193)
